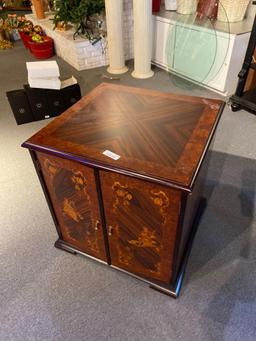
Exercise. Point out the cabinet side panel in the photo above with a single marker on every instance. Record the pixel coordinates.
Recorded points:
(191, 209)
(142, 220)
(73, 194)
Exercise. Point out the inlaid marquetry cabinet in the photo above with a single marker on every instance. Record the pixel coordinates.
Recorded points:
(122, 171)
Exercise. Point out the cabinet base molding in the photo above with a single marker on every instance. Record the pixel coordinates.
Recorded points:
(59, 245)
(62, 245)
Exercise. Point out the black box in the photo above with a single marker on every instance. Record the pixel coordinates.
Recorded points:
(38, 102)
(71, 95)
(46, 103)
(20, 106)
(56, 103)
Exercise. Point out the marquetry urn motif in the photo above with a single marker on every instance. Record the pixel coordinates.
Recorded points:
(134, 211)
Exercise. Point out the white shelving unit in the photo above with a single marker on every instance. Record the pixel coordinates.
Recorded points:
(204, 52)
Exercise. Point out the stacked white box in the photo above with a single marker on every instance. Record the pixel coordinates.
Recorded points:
(44, 83)
(44, 75)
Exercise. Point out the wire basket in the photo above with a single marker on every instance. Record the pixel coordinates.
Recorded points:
(187, 6)
(232, 10)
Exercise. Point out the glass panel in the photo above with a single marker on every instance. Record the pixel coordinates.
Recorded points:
(195, 50)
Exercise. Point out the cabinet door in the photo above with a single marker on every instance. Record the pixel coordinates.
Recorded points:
(195, 52)
(163, 45)
(200, 54)
(142, 221)
(73, 193)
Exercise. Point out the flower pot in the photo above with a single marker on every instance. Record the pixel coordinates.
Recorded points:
(46, 44)
(232, 10)
(43, 54)
(156, 4)
(14, 34)
(42, 50)
(25, 39)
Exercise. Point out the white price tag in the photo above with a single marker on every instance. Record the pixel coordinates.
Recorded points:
(111, 155)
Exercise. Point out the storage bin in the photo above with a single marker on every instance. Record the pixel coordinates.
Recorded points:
(232, 10)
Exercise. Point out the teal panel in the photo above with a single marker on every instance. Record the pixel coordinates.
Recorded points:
(194, 52)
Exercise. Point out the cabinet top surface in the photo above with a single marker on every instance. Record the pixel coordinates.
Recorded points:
(157, 135)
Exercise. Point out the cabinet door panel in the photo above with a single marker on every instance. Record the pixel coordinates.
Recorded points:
(142, 221)
(73, 194)
(163, 46)
(194, 53)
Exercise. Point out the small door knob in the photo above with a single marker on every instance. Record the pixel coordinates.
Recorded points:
(110, 230)
(97, 225)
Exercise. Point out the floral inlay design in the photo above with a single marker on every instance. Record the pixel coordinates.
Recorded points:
(79, 180)
(50, 167)
(124, 258)
(122, 195)
(146, 238)
(124, 251)
(161, 200)
(93, 244)
(70, 210)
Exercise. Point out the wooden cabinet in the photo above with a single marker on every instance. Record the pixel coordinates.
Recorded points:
(121, 171)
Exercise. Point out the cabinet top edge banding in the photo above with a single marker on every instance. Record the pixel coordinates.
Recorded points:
(98, 166)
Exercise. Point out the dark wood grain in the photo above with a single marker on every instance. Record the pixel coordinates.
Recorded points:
(142, 222)
(159, 134)
(73, 193)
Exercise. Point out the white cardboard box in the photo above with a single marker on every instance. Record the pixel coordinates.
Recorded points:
(51, 83)
(45, 83)
(45, 69)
